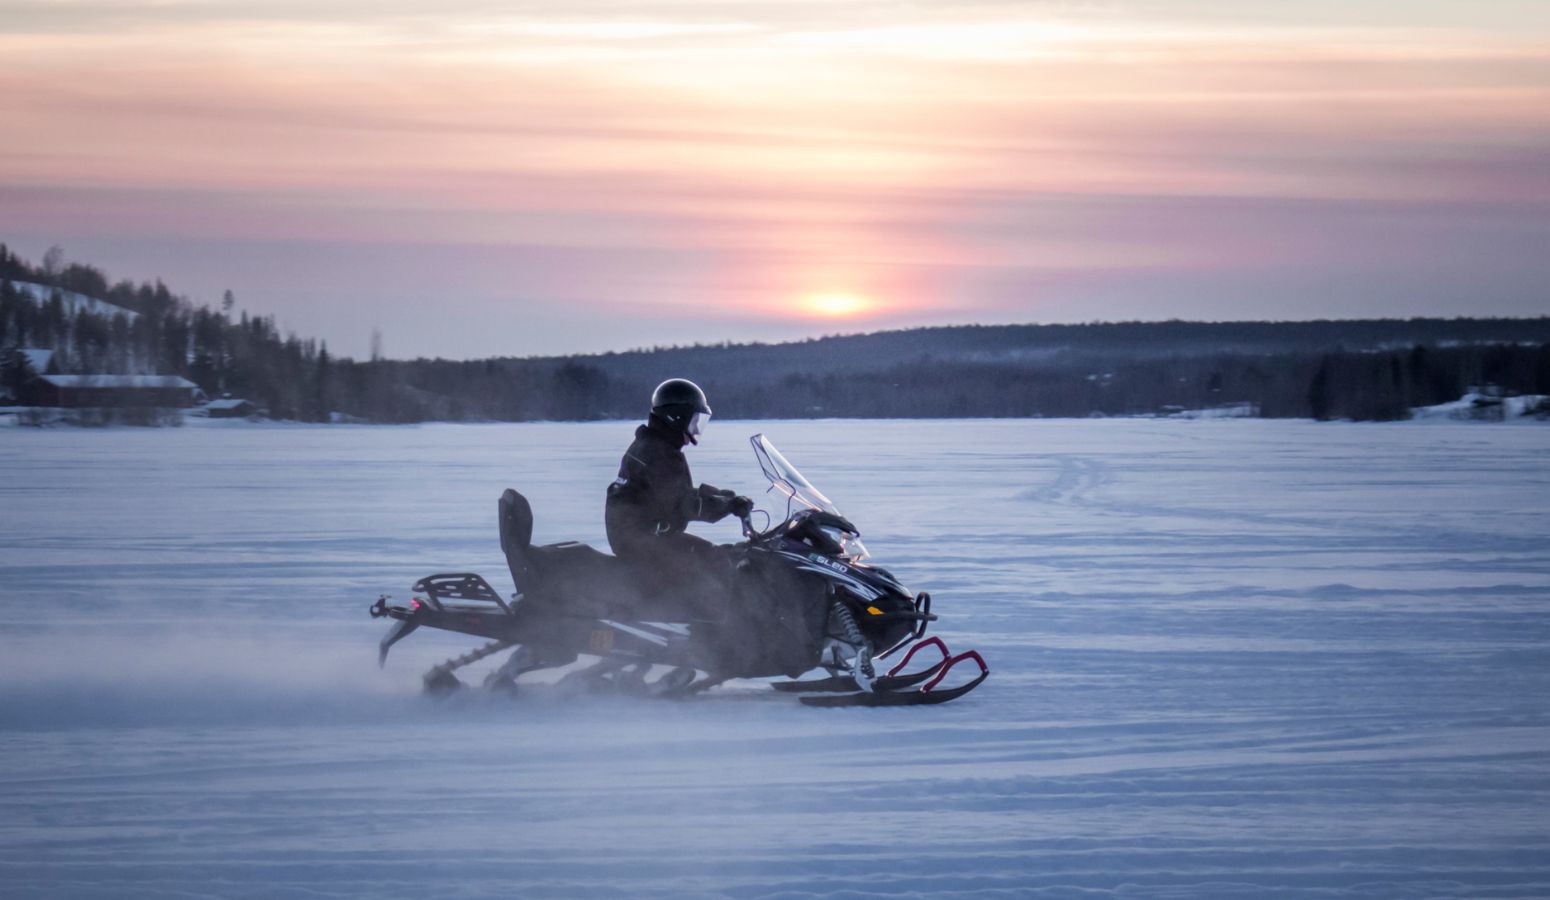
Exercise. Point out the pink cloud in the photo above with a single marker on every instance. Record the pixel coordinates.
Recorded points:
(714, 169)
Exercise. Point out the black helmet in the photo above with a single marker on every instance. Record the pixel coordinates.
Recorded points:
(681, 403)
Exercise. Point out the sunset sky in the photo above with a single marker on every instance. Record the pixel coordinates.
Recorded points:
(481, 178)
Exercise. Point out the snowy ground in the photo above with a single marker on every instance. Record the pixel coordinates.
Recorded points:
(1233, 659)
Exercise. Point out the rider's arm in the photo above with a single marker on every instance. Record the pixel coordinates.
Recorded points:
(712, 504)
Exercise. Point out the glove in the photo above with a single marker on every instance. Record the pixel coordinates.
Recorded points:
(741, 507)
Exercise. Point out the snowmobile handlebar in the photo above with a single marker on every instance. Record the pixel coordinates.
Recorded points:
(807, 524)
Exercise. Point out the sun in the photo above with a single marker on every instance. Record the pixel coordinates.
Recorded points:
(836, 305)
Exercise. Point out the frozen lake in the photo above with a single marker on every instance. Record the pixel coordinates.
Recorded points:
(1234, 659)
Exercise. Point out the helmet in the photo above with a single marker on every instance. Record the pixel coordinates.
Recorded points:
(682, 404)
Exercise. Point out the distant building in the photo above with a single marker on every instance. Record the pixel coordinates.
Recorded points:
(112, 390)
(38, 382)
(231, 408)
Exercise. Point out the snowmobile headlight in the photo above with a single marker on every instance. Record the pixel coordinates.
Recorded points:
(851, 546)
(848, 541)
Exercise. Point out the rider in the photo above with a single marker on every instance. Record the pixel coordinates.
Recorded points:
(654, 498)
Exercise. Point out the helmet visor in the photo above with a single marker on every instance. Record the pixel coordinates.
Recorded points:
(697, 423)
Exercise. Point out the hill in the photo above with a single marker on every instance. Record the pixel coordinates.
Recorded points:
(1354, 369)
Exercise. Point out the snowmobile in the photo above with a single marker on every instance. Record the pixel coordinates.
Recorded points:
(802, 598)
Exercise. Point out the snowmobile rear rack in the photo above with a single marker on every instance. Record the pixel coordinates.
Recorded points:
(471, 609)
(459, 586)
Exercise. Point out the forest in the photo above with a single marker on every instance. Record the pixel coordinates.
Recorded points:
(1366, 369)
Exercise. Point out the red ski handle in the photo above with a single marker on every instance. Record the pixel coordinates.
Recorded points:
(947, 666)
(932, 641)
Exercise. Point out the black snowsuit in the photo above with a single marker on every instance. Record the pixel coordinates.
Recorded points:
(649, 505)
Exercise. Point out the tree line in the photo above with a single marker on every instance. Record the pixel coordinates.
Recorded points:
(1374, 369)
(245, 356)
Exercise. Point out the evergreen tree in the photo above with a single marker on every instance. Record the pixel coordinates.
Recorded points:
(10, 300)
(53, 258)
(321, 389)
(13, 376)
(1319, 402)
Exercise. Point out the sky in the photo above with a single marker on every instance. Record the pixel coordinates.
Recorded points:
(479, 179)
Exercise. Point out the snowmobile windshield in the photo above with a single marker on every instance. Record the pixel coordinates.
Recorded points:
(785, 478)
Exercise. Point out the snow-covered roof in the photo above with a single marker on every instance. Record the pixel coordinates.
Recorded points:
(227, 403)
(74, 302)
(119, 381)
(37, 360)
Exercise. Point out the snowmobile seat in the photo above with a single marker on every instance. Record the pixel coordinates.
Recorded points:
(515, 518)
(586, 580)
(516, 521)
(576, 576)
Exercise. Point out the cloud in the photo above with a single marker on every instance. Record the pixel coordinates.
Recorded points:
(972, 156)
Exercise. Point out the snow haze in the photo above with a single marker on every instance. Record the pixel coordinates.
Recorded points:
(1229, 659)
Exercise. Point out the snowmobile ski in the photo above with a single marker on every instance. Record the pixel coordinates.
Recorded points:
(892, 681)
(928, 694)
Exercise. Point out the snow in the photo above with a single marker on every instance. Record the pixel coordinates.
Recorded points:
(1229, 659)
(225, 403)
(120, 381)
(1477, 406)
(37, 360)
(74, 302)
(1242, 410)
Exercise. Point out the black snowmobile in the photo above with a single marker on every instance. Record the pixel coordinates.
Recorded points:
(803, 599)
